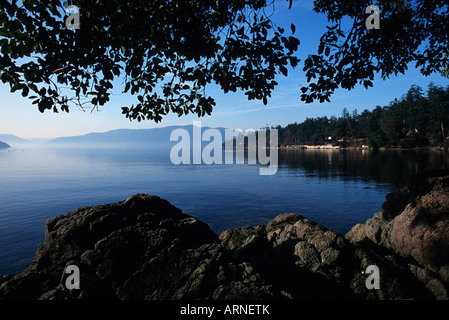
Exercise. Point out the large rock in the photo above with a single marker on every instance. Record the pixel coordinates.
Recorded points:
(414, 222)
(306, 260)
(141, 248)
(145, 248)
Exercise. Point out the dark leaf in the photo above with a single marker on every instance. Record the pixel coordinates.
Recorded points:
(283, 70)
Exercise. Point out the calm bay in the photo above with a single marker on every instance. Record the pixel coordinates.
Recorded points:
(336, 188)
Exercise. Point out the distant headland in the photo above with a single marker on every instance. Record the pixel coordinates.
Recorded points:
(4, 145)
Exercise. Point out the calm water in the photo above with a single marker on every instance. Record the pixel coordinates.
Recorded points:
(335, 188)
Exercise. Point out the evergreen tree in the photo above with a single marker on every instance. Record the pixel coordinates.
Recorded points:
(411, 121)
(438, 106)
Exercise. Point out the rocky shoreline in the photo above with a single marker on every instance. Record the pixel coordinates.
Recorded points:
(144, 248)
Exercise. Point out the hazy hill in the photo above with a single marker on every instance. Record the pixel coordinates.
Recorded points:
(13, 140)
(159, 137)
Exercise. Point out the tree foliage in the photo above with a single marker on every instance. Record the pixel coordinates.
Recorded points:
(410, 32)
(416, 119)
(165, 53)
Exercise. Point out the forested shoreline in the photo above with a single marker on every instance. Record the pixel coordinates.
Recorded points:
(418, 119)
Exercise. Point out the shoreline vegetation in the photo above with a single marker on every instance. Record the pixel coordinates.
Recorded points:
(439, 147)
(416, 121)
(363, 147)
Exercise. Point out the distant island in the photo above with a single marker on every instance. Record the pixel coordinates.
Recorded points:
(4, 145)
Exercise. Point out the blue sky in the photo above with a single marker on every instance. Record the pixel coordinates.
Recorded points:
(21, 118)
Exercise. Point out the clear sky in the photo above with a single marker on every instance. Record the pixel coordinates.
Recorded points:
(19, 117)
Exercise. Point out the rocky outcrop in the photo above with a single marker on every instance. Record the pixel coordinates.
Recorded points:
(414, 223)
(145, 248)
(307, 261)
(141, 248)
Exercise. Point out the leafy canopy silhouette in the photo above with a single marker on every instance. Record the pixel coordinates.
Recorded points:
(410, 31)
(166, 52)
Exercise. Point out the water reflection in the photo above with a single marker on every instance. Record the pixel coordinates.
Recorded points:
(390, 166)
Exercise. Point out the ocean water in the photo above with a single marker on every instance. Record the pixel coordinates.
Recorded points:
(335, 188)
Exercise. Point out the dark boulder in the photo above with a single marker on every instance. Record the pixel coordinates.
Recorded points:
(305, 260)
(113, 245)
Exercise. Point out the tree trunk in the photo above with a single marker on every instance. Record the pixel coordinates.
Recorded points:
(442, 130)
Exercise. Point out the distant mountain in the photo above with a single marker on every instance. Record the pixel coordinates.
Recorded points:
(4, 145)
(127, 137)
(115, 137)
(13, 140)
